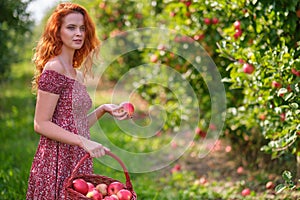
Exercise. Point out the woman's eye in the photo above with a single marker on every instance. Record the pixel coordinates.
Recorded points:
(82, 28)
(71, 28)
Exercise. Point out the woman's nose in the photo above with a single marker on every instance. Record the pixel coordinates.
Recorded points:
(78, 31)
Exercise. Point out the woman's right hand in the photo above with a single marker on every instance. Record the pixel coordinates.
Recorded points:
(95, 149)
(116, 111)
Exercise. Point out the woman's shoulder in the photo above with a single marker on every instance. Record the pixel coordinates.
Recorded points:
(80, 76)
(54, 65)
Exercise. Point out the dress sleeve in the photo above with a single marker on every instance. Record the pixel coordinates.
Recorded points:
(51, 81)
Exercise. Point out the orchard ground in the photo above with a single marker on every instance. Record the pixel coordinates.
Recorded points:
(223, 173)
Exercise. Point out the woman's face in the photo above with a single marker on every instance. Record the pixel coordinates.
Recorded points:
(72, 31)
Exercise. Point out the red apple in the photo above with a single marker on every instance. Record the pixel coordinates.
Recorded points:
(200, 132)
(176, 168)
(102, 5)
(154, 58)
(276, 84)
(199, 37)
(91, 186)
(270, 185)
(289, 89)
(237, 24)
(94, 194)
(246, 192)
(295, 72)
(298, 13)
(282, 117)
(188, 3)
(262, 117)
(207, 21)
(188, 14)
(241, 61)
(215, 20)
(240, 170)
(124, 194)
(114, 188)
(128, 107)
(172, 14)
(102, 188)
(114, 197)
(228, 149)
(248, 68)
(238, 33)
(97, 196)
(203, 181)
(80, 186)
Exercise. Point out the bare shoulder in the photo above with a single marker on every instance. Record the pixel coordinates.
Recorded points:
(55, 65)
(80, 76)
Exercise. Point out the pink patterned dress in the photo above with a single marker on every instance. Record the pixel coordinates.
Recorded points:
(54, 161)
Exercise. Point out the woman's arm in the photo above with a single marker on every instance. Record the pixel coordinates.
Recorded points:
(45, 106)
(116, 111)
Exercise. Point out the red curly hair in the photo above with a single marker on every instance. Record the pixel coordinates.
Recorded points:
(50, 43)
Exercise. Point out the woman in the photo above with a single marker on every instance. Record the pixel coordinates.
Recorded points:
(61, 116)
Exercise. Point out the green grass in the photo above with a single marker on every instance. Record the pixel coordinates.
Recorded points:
(18, 141)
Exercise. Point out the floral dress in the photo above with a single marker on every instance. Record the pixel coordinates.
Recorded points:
(54, 161)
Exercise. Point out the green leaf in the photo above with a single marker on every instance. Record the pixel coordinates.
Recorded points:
(287, 175)
(279, 188)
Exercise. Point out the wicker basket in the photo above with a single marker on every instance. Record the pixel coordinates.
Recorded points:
(71, 194)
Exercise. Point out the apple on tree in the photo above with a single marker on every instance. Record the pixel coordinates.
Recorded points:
(80, 186)
(276, 84)
(154, 58)
(207, 21)
(248, 68)
(237, 25)
(215, 20)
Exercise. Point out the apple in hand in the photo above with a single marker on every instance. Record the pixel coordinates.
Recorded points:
(124, 194)
(128, 107)
(80, 186)
(114, 188)
(102, 187)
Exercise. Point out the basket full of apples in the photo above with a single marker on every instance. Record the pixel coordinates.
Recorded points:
(98, 187)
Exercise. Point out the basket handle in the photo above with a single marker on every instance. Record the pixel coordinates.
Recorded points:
(87, 155)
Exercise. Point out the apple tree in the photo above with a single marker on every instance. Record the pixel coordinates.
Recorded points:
(255, 46)
(262, 44)
(15, 28)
